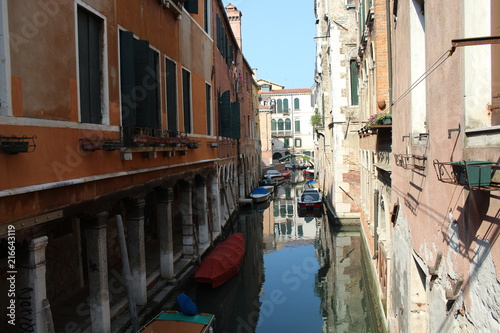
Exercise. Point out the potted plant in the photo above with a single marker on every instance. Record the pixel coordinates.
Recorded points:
(472, 173)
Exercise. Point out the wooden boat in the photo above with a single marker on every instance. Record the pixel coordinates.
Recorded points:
(275, 174)
(260, 194)
(173, 321)
(310, 198)
(223, 262)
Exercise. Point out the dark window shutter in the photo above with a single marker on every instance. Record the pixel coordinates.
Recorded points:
(151, 85)
(191, 6)
(225, 114)
(89, 58)
(141, 60)
(171, 95)
(354, 83)
(127, 78)
(235, 120)
(83, 63)
(208, 105)
(186, 99)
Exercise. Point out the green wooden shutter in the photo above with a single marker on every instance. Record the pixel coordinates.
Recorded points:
(151, 85)
(297, 125)
(171, 95)
(186, 99)
(235, 120)
(191, 6)
(83, 63)
(208, 105)
(224, 114)
(127, 78)
(354, 83)
(141, 60)
(89, 60)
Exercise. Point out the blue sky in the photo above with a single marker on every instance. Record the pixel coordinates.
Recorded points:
(278, 39)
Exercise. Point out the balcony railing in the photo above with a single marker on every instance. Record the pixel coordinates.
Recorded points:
(473, 175)
(282, 133)
(17, 144)
(149, 137)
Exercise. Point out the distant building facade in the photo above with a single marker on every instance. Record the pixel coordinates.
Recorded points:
(286, 117)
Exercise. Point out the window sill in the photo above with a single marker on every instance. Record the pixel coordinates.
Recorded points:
(482, 130)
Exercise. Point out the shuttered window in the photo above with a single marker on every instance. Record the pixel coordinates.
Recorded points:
(171, 91)
(139, 82)
(186, 99)
(296, 104)
(191, 6)
(297, 125)
(208, 105)
(288, 124)
(235, 120)
(89, 63)
(224, 114)
(354, 82)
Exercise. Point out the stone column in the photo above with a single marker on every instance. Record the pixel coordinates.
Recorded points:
(136, 248)
(186, 208)
(33, 292)
(215, 203)
(166, 233)
(97, 264)
(202, 207)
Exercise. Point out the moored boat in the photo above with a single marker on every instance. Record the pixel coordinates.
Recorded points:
(173, 321)
(285, 173)
(260, 194)
(275, 174)
(310, 198)
(223, 262)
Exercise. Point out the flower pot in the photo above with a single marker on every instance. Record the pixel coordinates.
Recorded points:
(14, 147)
(472, 173)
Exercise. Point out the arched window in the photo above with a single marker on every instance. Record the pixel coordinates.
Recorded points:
(280, 106)
(296, 104)
(280, 125)
(273, 124)
(288, 124)
(285, 106)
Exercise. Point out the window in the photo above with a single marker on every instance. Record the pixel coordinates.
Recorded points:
(208, 105)
(139, 82)
(191, 6)
(481, 76)
(354, 82)
(273, 125)
(417, 68)
(286, 109)
(206, 16)
(297, 125)
(280, 106)
(296, 104)
(89, 64)
(171, 93)
(287, 143)
(298, 142)
(288, 124)
(186, 100)
(229, 117)
(280, 125)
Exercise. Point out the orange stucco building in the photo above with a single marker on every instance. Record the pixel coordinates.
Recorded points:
(134, 109)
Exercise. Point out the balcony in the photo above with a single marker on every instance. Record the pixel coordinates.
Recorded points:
(473, 175)
(282, 134)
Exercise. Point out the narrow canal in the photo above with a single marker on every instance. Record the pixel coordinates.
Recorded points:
(300, 274)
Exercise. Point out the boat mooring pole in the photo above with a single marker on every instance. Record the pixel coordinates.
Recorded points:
(126, 272)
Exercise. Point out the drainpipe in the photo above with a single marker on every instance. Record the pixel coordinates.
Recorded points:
(389, 47)
(375, 227)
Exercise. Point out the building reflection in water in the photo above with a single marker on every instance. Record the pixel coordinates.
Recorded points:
(331, 294)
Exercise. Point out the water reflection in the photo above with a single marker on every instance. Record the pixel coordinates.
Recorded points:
(299, 275)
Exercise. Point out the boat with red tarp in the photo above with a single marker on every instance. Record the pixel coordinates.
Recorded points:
(223, 262)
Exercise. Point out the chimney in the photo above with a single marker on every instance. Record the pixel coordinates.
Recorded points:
(234, 16)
